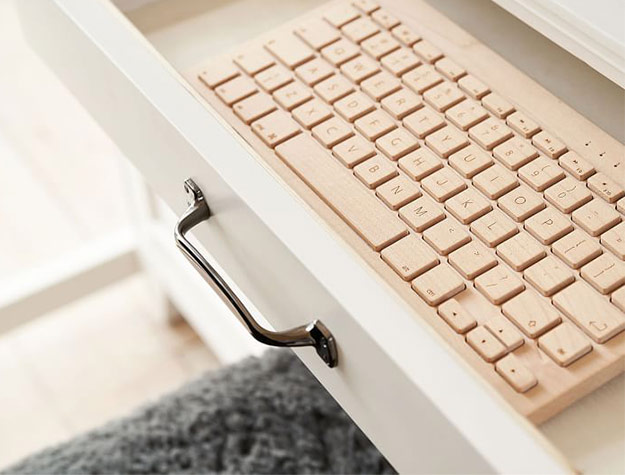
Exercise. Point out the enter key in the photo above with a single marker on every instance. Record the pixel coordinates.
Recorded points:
(590, 311)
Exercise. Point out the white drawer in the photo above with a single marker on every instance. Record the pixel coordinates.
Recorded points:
(424, 408)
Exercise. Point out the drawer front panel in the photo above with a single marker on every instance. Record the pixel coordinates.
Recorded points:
(144, 107)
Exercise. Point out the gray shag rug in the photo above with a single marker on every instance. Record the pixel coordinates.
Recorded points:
(263, 415)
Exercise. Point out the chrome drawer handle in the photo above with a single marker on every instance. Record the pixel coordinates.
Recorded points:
(313, 334)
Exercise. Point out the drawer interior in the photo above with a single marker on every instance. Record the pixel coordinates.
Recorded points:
(186, 32)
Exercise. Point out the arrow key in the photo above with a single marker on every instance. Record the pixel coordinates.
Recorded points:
(564, 344)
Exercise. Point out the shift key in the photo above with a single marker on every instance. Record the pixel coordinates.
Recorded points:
(335, 185)
(599, 319)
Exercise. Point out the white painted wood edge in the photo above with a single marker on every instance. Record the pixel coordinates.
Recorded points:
(578, 37)
(71, 276)
(129, 5)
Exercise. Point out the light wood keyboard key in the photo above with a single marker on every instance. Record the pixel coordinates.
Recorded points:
(422, 78)
(521, 203)
(235, 90)
(380, 85)
(576, 166)
(514, 153)
(340, 15)
(219, 72)
(366, 6)
(473, 86)
(385, 19)
(549, 225)
(397, 143)
(427, 51)
(495, 181)
(446, 236)
(273, 77)
(364, 213)
(317, 33)
(312, 113)
(380, 45)
(401, 103)
(354, 106)
(596, 217)
(522, 124)
(340, 52)
(614, 240)
(446, 141)
(568, 195)
(521, 251)
(360, 68)
(485, 344)
(618, 298)
(620, 205)
(254, 60)
(605, 187)
(254, 107)
(332, 131)
(438, 284)
(397, 192)
(541, 173)
(516, 373)
(360, 29)
(604, 273)
(443, 96)
(314, 71)
(443, 184)
(564, 344)
(421, 214)
(590, 311)
(490, 133)
(450, 69)
(497, 105)
(409, 257)
(353, 151)
(423, 122)
(472, 259)
(548, 144)
(499, 284)
(420, 163)
(375, 124)
(467, 206)
(333, 88)
(494, 228)
(470, 161)
(405, 35)
(400, 61)
(375, 171)
(549, 275)
(456, 316)
(466, 114)
(576, 248)
(292, 95)
(290, 50)
(533, 314)
(505, 332)
(275, 128)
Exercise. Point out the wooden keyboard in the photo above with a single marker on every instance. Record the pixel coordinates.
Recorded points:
(514, 239)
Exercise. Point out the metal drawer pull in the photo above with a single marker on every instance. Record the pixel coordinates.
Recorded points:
(313, 334)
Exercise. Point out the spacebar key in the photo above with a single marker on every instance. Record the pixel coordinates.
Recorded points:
(338, 188)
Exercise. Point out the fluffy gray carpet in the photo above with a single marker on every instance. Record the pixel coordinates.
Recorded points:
(263, 415)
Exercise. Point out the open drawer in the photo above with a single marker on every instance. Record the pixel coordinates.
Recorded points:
(426, 409)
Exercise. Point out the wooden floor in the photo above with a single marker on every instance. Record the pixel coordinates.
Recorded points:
(89, 362)
(108, 353)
